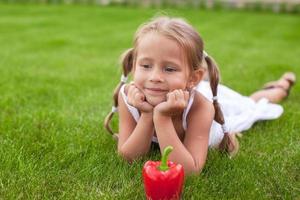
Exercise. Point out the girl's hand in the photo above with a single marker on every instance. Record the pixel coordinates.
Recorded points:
(177, 101)
(137, 99)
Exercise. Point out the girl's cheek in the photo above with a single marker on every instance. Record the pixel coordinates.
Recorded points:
(138, 81)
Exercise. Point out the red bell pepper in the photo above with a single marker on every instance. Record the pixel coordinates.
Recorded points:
(163, 180)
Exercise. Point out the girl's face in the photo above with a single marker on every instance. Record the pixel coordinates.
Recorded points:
(160, 67)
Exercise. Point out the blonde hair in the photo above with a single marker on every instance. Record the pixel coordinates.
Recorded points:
(188, 38)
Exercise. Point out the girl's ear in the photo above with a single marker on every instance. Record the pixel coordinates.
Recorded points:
(196, 77)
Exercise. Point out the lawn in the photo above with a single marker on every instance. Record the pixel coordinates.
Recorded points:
(58, 67)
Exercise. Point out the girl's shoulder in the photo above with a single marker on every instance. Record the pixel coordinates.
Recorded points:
(201, 107)
(124, 89)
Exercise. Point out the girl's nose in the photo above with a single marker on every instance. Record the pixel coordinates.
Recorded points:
(156, 75)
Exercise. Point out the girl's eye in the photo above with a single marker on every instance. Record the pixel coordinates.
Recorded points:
(170, 69)
(145, 66)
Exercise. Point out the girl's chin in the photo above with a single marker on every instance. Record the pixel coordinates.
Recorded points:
(155, 101)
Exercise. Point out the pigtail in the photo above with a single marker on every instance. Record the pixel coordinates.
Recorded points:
(127, 64)
(214, 77)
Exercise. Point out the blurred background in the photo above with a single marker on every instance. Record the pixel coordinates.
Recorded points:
(59, 65)
(291, 6)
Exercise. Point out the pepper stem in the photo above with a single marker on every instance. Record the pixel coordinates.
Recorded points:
(163, 165)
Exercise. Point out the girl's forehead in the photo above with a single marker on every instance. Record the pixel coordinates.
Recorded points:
(153, 38)
(156, 44)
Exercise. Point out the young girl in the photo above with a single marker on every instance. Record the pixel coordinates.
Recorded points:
(170, 102)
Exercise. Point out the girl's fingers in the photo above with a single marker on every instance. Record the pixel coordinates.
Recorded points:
(131, 89)
(186, 95)
(139, 97)
(176, 94)
(146, 106)
(168, 96)
(181, 98)
(179, 95)
(171, 97)
(135, 96)
(135, 91)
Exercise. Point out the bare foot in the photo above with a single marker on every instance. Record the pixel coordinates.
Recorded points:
(230, 144)
(285, 82)
(233, 146)
(276, 91)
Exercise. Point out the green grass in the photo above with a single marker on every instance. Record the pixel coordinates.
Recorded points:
(58, 67)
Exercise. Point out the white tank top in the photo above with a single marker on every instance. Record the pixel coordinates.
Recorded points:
(136, 115)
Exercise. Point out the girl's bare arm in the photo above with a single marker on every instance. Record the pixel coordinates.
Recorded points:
(134, 138)
(192, 152)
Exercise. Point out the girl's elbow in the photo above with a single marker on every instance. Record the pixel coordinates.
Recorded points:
(125, 155)
(194, 169)
(129, 156)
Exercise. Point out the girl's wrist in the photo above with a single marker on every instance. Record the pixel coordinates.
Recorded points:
(159, 117)
(147, 115)
(148, 112)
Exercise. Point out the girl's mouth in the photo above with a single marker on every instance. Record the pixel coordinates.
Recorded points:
(155, 91)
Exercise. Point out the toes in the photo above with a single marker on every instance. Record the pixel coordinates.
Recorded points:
(290, 77)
